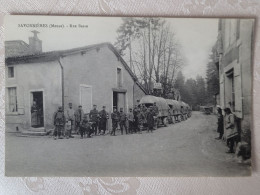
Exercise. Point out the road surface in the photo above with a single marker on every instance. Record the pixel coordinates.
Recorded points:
(183, 149)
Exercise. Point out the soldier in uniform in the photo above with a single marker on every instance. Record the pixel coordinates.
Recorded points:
(136, 111)
(59, 121)
(103, 121)
(115, 119)
(122, 121)
(94, 115)
(150, 119)
(130, 118)
(155, 109)
(143, 117)
(79, 114)
(140, 120)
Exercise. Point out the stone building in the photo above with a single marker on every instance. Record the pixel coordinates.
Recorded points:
(234, 61)
(94, 74)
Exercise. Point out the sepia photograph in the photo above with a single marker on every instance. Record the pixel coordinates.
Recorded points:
(128, 96)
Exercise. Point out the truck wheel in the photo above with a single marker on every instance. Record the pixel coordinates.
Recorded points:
(170, 119)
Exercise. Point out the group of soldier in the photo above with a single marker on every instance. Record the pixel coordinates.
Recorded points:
(95, 122)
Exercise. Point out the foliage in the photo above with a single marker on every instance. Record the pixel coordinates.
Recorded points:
(152, 50)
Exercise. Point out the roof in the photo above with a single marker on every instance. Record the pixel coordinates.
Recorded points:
(56, 55)
(16, 48)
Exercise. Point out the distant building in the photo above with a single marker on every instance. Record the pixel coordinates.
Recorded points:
(234, 61)
(20, 48)
(94, 74)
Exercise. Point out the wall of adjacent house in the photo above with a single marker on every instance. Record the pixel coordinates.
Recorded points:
(237, 58)
(96, 69)
(43, 76)
(245, 54)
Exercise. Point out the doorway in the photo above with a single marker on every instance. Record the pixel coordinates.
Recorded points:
(37, 112)
(119, 100)
(115, 105)
(86, 97)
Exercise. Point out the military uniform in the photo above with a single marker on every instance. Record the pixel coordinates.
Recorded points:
(93, 115)
(130, 118)
(78, 118)
(150, 120)
(136, 121)
(59, 121)
(103, 121)
(115, 119)
(122, 122)
(155, 110)
(143, 117)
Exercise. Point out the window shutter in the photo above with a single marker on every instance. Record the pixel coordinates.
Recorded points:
(238, 91)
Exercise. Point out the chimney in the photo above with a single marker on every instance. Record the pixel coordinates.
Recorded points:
(35, 44)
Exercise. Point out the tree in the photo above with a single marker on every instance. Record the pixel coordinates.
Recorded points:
(212, 79)
(201, 91)
(191, 92)
(180, 84)
(152, 50)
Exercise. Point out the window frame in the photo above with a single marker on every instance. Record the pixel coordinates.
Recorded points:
(8, 101)
(119, 85)
(8, 72)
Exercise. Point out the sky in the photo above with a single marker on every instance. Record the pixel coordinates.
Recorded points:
(197, 36)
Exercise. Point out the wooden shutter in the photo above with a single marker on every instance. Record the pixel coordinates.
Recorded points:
(238, 91)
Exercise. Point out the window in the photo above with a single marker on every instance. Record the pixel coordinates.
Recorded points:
(10, 72)
(231, 89)
(12, 99)
(119, 77)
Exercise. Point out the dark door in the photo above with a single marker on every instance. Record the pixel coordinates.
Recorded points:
(115, 100)
(37, 115)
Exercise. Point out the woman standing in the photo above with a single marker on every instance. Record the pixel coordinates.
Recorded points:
(231, 129)
(220, 123)
(34, 115)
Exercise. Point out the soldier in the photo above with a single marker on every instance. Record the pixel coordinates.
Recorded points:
(150, 119)
(93, 115)
(140, 121)
(85, 127)
(130, 118)
(122, 120)
(79, 114)
(143, 116)
(103, 120)
(115, 119)
(59, 121)
(70, 117)
(155, 109)
(136, 110)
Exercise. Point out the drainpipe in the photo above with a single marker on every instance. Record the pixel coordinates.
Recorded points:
(62, 82)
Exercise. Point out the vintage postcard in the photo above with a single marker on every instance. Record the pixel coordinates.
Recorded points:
(128, 96)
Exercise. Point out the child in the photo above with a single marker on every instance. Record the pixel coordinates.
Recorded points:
(67, 128)
(85, 127)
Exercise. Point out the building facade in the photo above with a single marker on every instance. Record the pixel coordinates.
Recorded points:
(234, 61)
(95, 74)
